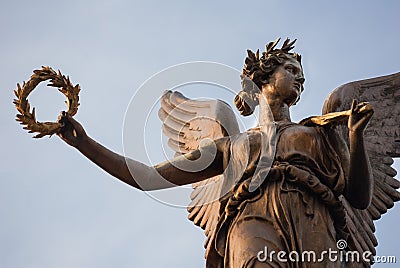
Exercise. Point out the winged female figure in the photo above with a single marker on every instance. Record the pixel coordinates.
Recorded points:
(282, 186)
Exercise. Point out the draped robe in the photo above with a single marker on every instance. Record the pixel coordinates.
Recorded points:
(296, 207)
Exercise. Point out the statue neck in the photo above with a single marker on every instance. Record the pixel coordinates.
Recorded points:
(273, 110)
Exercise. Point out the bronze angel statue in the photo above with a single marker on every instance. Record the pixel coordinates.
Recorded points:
(282, 186)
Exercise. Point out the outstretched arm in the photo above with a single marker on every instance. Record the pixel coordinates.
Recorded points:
(189, 168)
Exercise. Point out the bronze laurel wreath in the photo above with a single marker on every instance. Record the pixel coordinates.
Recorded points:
(28, 118)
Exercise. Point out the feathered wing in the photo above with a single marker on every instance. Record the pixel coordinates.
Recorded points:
(186, 123)
(382, 141)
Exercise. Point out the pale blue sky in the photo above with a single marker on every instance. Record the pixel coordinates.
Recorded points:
(59, 210)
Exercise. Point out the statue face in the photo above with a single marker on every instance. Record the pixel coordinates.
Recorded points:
(286, 83)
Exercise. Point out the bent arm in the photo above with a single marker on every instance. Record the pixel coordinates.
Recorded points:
(355, 160)
(356, 167)
(360, 180)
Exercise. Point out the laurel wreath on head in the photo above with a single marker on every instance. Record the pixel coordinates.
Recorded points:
(28, 118)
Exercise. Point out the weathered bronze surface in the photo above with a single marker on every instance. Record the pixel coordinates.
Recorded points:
(328, 177)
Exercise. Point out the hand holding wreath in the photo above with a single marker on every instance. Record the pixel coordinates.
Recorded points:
(28, 118)
(71, 131)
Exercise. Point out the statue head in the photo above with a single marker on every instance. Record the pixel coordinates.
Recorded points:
(257, 72)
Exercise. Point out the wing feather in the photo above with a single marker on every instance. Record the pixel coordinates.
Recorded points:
(382, 141)
(186, 123)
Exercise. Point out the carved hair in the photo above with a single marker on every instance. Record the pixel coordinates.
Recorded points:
(256, 73)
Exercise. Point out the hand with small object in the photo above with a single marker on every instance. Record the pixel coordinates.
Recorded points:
(360, 115)
(71, 131)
